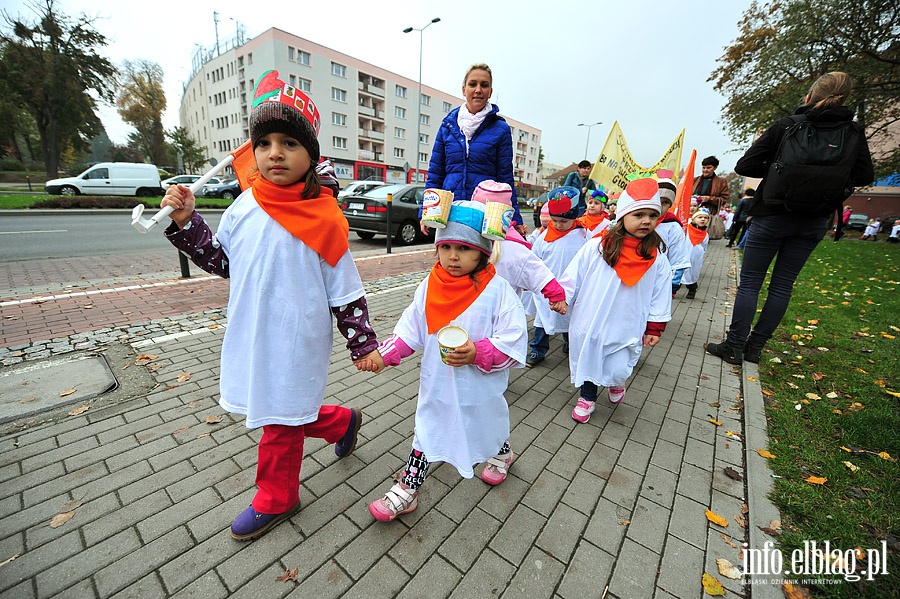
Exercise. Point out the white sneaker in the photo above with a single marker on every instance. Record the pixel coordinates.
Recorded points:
(616, 394)
(583, 410)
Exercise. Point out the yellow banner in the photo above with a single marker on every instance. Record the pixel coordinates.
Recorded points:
(616, 162)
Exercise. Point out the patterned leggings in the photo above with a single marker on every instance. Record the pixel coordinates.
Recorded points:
(417, 467)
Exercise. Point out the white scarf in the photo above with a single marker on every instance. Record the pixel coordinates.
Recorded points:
(469, 123)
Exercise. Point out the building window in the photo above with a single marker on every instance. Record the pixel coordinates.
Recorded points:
(447, 107)
(400, 91)
(423, 138)
(423, 157)
(290, 54)
(339, 119)
(339, 143)
(292, 80)
(425, 100)
(399, 133)
(399, 153)
(424, 119)
(399, 112)
(303, 57)
(304, 85)
(249, 58)
(338, 95)
(338, 70)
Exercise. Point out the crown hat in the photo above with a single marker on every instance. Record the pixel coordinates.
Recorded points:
(281, 108)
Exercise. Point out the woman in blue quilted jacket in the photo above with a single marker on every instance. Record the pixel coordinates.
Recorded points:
(473, 144)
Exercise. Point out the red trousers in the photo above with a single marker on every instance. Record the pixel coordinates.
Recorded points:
(281, 453)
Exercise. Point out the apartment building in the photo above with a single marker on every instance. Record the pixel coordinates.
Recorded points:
(370, 116)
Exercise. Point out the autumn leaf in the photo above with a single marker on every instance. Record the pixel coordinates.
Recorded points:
(288, 575)
(712, 586)
(203, 435)
(775, 360)
(729, 541)
(716, 518)
(66, 392)
(831, 395)
(623, 522)
(751, 378)
(727, 569)
(773, 532)
(794, 592)
(887, 336)
(71, 505)
(733, 474)
(144, 359)
(716, 422)
(767, 393)
(816, 480)
(80, 410)
(60, 519)
(183, 377)
(818, 376)
(766, 454)
(894, 393)
(213, 419)
(885, 456)
(6, 561)
(812, 396)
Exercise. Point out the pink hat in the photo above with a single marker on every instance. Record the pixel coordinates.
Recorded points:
(492, 191)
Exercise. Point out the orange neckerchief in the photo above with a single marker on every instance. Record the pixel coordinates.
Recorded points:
(696, 235)
(553, 233)
(448, 296)
(589, 221)
(631, 266)
(317, 222)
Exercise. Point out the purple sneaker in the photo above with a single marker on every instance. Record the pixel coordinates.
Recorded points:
(251, 524)
(347, 444)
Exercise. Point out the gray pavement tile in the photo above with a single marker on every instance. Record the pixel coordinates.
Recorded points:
(601, 461)
(634, 572)
(648, 524)
(584, 491)
(90, 511)
(207, 478)
(241, 481)
(464, 494)
(587, 574)
(250, 559)
(531, 462)
(487, 577)
(10, 504)
(383, 580)
(368, 547)
(626, 413)
(100, 428)
(722, 483)
(42, 477)
(536, 578)
(190, 565)
(667, 455)
(316, 514)
(132, 567)
(688, 521)
(463, 546)
(122, 518)
(517, 534)
(678, 412)
(438, 576)
(9, 471)
(659, 486)
(178, 514)
(729, 450)
(545, 492)
(552, 437)
(328, 582)
(540, 417)
(698, 453)
(681, 569)
(321, 546)
(420, 542)
(695, 483)
(125, 452)
(635, 456)
(42, 559)
(34, 515)
(653, 412)
(50, 452)
(84, 563)
(169, 473)
(567, 461)
(207, 586)
(562, 532)
(622, 487)
(645, 432)
(702, 428)
(265, 584)
(501, 500)
(149, 587)
(614, 435)
(717, 548)
(585, 437)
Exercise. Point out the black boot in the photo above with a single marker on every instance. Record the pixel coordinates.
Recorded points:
(692, 290)
(753, 350)
(729, 353)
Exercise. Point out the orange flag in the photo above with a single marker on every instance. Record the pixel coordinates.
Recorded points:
(244, 162)
(683, 193)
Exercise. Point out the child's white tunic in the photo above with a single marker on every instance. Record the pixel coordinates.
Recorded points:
(278, 342)
(462, 417)
(692, 273)
(556, 255)
(523, 270)
(678, 248)
(608, 317)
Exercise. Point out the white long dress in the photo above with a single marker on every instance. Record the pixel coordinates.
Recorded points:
(678, 248)
(278, 342)
(462, 417)
(692, 273)
(524, 271)
(608, 317)
(556, 255)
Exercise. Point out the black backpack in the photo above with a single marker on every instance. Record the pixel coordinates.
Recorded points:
(811, 170)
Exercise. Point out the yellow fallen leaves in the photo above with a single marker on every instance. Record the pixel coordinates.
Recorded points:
(66, 513)
(794, 592)
(144, 359)
(816, 480)
(766, 454)
(727, 569)
(711, 586)
(812, 396)
(751, 378)
(66, 392)
(214, 419)
(716, 422)
(716, 518)
(851, 466)
(183, 377)
(79, 410)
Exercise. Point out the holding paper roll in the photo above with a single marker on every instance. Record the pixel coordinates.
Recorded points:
(498, 210)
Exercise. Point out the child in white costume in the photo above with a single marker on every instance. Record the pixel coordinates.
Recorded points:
(461, 417)
(283, 245)
(698, 236)
(671, 229)
(595, 218)
(618, 290)
(526, 296)
(556, 247)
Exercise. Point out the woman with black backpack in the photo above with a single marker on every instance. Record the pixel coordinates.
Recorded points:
(810, 161)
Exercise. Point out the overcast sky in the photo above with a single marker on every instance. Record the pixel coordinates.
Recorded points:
(555, 64)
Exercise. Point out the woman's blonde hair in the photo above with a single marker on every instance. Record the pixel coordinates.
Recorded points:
(479, 66)
(830, 90)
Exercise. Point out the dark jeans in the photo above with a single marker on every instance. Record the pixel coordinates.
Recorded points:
(737, 229)
(789, 240)
(589, 391)
(540, 344)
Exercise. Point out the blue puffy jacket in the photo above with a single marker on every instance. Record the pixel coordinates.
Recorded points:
(490, 156)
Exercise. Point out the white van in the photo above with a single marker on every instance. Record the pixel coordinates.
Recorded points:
(110, 179)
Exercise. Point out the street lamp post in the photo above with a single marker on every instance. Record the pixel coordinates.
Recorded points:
(588, 135)
(419, 99)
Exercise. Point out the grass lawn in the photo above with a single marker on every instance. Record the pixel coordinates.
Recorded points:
(831, 377)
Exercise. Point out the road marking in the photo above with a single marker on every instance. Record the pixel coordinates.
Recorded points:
(25, 232)
(47, 298)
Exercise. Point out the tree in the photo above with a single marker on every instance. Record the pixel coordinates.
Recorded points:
(141, 102)
(192, 154)
(784, 45)
(51, 68)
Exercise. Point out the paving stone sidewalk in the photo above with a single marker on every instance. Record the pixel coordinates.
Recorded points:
(613, 508)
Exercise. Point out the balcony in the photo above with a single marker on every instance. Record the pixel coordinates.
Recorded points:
(371, 134)
(366, 111)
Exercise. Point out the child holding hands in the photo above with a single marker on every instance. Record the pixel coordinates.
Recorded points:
(284, 246)
(461, 417)
(698, 236)
(618, 290)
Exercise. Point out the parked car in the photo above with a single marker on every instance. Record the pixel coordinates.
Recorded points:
(367, 213)
(358, 188)
(227, 189)
(536, 205)
(858, 222)
(110, 179)
(185, 180)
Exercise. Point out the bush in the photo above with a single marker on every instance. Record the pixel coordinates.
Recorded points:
(92, 202)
